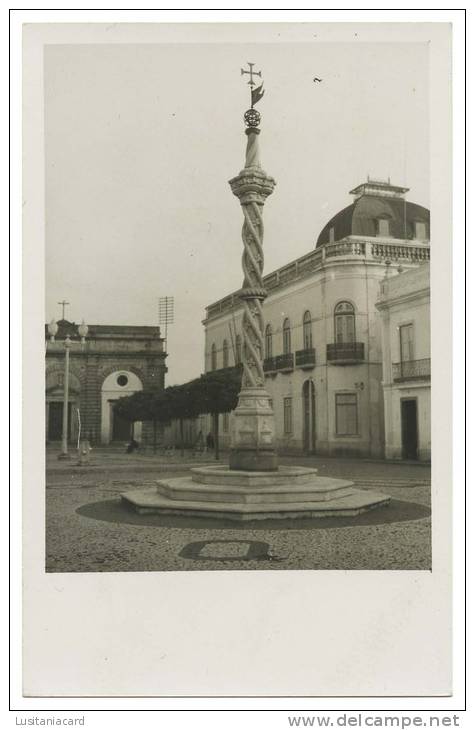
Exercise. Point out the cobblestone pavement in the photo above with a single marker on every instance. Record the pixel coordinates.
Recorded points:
(88, 528)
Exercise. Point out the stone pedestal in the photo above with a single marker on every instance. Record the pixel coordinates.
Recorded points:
(253, 432)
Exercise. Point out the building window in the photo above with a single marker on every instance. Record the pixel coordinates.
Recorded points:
(238, 350)
(406, 342)
(344, 323)
(225, 422)
(268, 341)
(213, 357)
(307, 331)
(383, 227)
(331, 235)
(420, 230)
(122, 380)
(287, 415)
(225, 354)
(61, 380)
(346, 414)
(286, 339)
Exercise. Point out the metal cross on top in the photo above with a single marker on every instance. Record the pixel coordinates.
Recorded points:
(251, 73)
(64, 304)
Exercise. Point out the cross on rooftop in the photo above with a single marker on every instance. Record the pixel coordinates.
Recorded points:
(64, 304)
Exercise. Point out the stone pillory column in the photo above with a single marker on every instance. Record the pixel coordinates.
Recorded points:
(253, 487)
(253, 430)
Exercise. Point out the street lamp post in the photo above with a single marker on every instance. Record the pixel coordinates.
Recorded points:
(82, 330)
(64, 438)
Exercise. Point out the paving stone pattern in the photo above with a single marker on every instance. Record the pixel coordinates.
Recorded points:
(89, 529)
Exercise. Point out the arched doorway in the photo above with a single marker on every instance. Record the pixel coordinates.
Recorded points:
(309, 417)
(114, 428)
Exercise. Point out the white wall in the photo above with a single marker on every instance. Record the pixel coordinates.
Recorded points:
(405, 299)
(319, 293)
(112, 391)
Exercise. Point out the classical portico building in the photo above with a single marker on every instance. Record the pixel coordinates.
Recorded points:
(114, 361)
(323, 349)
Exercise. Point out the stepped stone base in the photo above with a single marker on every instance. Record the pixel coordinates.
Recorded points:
(220, 492)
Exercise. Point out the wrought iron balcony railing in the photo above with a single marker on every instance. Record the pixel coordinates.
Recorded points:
(411, 370)
(305, 358)
(269, 365)
(285, 363)
(345, 353)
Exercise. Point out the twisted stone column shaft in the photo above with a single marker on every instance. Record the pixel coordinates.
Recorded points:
(252, 434)
(253, 295)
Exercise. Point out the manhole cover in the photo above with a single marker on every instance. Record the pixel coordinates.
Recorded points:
(226, 550)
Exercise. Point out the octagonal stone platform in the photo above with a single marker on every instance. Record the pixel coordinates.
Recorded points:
(217, 491)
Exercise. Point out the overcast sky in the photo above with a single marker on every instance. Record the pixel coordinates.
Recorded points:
(141, 141)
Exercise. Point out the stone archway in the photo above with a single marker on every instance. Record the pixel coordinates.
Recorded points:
(117, 384)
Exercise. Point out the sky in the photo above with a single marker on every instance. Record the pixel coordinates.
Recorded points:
(141, 141)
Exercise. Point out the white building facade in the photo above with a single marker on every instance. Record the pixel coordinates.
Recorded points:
(404, 304)
(323, 344)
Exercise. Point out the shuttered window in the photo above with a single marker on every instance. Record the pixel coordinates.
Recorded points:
(346, 414)
(307, 331)
(406, 337)
(344, 322)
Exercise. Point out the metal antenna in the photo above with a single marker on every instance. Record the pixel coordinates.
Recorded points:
(404, 183)
(166, 314)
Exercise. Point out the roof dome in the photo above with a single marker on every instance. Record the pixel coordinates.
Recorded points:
(379, 209)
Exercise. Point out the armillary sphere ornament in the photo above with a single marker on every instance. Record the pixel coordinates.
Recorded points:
(252, 118)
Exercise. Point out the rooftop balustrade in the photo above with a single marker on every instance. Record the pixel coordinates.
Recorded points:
(357, 248)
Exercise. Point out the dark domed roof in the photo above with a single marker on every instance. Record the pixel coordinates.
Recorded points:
(375, 202)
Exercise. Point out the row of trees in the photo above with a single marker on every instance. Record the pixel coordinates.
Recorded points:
(215, 392)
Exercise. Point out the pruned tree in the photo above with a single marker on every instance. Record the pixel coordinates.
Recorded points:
(217, 392)
(145, 406)
(214, 392)
(181, 403)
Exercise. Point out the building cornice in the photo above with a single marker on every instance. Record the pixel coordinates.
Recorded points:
(353, 250)
(388, 302)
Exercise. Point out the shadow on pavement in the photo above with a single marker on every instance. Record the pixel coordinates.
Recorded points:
(114, 510)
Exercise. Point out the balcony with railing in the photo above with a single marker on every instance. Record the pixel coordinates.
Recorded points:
(411, 370)
(284, 363)
(305, 358)
(279, 364)
(345, 353)
(269, 365)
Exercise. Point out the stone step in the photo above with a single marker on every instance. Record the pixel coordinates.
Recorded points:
(149, 501)
(382, 482)
(319, 489)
